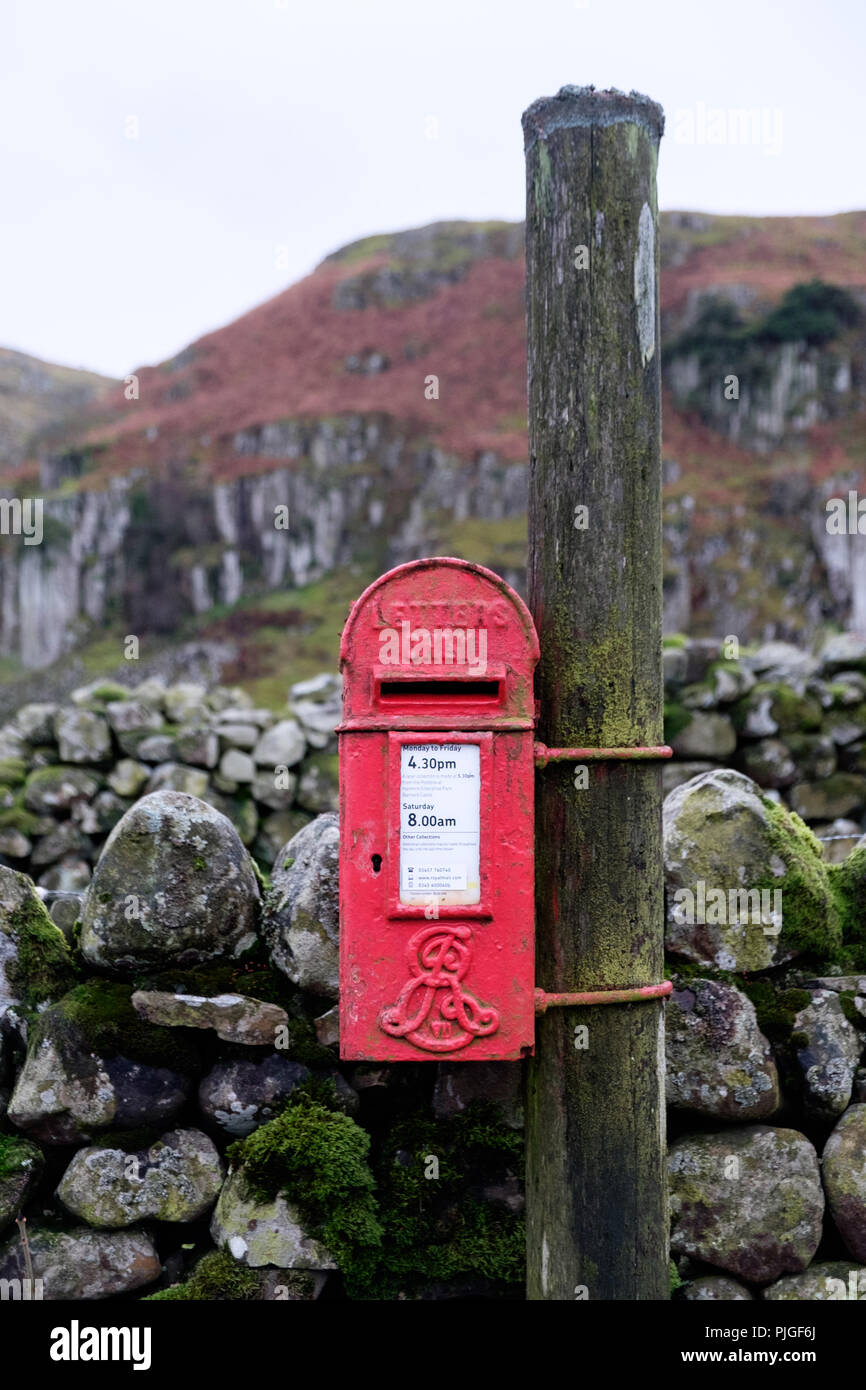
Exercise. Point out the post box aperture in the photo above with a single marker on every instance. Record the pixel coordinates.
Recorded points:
(436, 817)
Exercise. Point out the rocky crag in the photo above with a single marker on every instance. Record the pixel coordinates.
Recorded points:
(376, 412)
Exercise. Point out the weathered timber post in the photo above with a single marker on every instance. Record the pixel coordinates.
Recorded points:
(597, 1222)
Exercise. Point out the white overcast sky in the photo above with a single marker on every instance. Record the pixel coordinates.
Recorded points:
(271, 132)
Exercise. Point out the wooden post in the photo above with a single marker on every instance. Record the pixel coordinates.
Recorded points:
(597, 1220)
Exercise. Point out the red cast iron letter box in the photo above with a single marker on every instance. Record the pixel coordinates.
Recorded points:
(436, 818)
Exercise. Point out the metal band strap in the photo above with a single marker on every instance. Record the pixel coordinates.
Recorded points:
(639, 995)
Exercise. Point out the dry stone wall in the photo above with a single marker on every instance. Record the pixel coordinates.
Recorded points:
(174, 1118)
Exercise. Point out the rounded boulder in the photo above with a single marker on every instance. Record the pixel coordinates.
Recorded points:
(173, 885)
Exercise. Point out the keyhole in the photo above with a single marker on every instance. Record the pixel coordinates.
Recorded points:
(376, 861)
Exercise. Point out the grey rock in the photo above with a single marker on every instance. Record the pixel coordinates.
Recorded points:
(14, 845)
(197, 745)
(68, 875)
(707, 735)
(301, 919)
(730, 682)
(748, 1201)
(150, 692)
(674, 774)
(842, 651)
(23, 920)
(183, 701)
(276, 829)
(318, 789)
(178, 1178)
(22, 1167)
(59, 788)
(283, 745)
(844, 1167)
(82, 736)
(328, 1027)
(238, 1096)
(67, 1093)
(828, 1060)
(82, 1264)
(244, 736)
(174, 777)
(718, 1062)
(12, 743)
(127, 777)
(719, 845)
(156, 748)
(781, 660)
(235, 1018)
(261, 718)
(236, 766)
(832, 1280)
(838, 795)
(844, 726)
(716, 1288)
(224, 697)
(769, 763)
(100, 815)
(127, 715)
(261, 1232)
(66, 838)
(192, 882)
(64, 911)
(674, 665)
(813, 754)
(275, 789)
(35, 722)
(759, 721)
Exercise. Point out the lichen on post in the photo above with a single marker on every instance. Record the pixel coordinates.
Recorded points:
(597, 1220)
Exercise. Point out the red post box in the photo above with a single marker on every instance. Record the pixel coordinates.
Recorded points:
(436, 818)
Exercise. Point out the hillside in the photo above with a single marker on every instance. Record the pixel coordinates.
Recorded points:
(162, 507)
(35, 398)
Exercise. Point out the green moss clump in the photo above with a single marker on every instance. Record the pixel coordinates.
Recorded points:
(264, 880)
(217, 1278)
(18, 817)
(853, 1014)
(12, 771)
(848, 886)
(674, 639)
(809, 908)
(775, 1009)
(305, 1046)
(42, 967)
(440, 1227)
(17, 1153)
(318, 1158)
(108, 691)
(99, 1016)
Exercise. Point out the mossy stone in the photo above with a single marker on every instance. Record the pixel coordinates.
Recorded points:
(150, 903)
